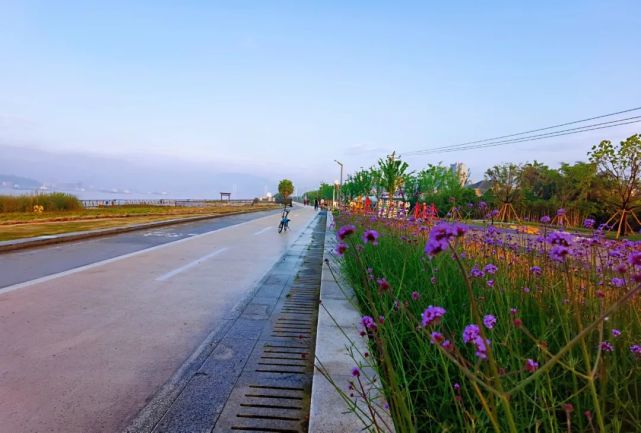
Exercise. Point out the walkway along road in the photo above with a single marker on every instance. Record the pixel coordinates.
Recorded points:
(84, 349)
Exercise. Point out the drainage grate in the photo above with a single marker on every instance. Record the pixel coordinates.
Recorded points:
(272, 394)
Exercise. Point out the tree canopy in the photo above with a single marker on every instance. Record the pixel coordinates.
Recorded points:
(285, 188)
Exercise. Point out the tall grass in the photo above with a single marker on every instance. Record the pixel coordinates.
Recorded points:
(554, 332)
(55, 201)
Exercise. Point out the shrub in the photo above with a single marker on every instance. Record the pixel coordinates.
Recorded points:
(56, 201)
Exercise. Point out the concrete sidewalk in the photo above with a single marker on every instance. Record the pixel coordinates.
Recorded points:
(337, 334)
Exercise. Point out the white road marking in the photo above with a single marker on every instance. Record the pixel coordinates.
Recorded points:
(190, 265)
(115, 259)
(262, 231)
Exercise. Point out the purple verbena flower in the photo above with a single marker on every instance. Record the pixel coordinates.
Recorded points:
(559, 252)
(356, 372)
(536, 270)
(341, 247)
(545, 219)
(635, 258)
(481, 347)
(588, 223)
(617, 282)
(436, 337)
(489, 321)
(616, 332)
(345, 231)
(368, 322)
(383, 285)
(476, 272)
(370, 237)
(416, 295)
(560, 238)
(470, 333)
(606, 346)
(531, 365)
(432, 315)
(490, 269)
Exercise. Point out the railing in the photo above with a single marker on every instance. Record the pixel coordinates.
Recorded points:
(161, 202)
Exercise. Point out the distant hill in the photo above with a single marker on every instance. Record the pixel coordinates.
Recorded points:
(9, 180)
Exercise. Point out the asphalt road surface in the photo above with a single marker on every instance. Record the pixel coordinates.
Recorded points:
(26, 265)
(90, 331)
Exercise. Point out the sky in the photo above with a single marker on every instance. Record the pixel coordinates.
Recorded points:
(280, 89)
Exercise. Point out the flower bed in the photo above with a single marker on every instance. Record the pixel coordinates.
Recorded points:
(479, 329)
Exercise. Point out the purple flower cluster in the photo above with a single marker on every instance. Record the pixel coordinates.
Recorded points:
(368, 322)
(606, 346)
(490, 269)
(472, 334)
(370, 237)
(432, 315)
(489, 321)
(440, 236)
(561, 242)
(345, 231)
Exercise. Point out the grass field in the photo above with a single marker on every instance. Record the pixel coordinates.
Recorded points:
(19, 225)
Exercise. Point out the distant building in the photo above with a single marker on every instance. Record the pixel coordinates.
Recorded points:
(461, 172)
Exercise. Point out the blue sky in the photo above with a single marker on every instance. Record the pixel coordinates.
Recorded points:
(281, 89)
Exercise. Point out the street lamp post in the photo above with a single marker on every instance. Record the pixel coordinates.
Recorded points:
(340, 187)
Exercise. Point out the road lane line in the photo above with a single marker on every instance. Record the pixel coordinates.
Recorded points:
(262, 231)
(44, 279)
(190, 265)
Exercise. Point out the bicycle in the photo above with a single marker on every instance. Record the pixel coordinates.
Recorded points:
(284, 220)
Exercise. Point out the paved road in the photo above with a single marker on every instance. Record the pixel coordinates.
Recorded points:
(26, 265)
(83, 350)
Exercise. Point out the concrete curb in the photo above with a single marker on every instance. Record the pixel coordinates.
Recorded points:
(338, 323)
(19, 244)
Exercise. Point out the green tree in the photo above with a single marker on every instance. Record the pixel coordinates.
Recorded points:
(620, 166)
(505, 180)
(359, 183)
(285, 189)
(392, 174)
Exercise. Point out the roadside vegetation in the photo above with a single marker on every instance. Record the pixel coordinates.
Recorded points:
(491, 330)
(57, 201)
(605, 188)
(50, 214)
(476, 320)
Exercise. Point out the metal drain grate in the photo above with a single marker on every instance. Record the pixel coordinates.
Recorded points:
(272, 393)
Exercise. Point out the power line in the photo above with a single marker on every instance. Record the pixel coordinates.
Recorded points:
(524, 139)
(461, 145)
(576, 130)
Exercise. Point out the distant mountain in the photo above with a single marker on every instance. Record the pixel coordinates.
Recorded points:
(18, 182)
(142, 174)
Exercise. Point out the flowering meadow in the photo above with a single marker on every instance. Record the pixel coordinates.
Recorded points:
(479, 329)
